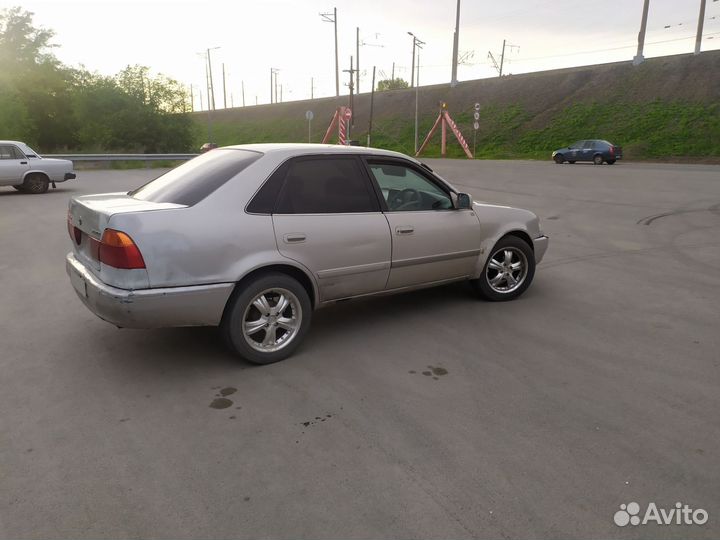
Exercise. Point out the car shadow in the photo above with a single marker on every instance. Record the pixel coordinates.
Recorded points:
(158, 351)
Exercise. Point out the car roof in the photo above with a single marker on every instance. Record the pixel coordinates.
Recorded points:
(13, 142)
(300, 149)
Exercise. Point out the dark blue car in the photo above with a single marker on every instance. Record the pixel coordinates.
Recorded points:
(594, 150)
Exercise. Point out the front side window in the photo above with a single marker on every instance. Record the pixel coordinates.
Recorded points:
(406, 190)
(10, 152)
(325, 185)
(577, 145)
(589, 145)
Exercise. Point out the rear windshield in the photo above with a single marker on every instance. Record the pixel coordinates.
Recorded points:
(191, 182)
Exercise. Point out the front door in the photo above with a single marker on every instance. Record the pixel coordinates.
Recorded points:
(328, 218)
(13, 165)
(432, 240)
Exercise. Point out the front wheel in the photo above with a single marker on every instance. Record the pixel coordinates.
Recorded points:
(36, 184)
(508, 271)
(598, 160)
(267, 319)
(559, 159)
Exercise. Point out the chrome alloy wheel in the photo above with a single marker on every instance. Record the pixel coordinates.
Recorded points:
(506, 270)
(272, 320)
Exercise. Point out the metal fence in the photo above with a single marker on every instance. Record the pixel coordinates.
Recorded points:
(122, 157)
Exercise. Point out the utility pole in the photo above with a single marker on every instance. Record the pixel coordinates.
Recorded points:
(357, 55)
(372, 103)
(412, 69)
(224, 89)
(393, 72)
(312, 88)
(417, 43)
(502, 58)
(281, 100)
(456, 39)
(242, 85)
(211, 99)
(192, 99)
(417, 96)
(351, 71)
(332, 17)
(639, 58)
(701, 18)
(273, 84)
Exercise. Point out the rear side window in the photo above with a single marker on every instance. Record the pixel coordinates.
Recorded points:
(191, 182)
(326, 185)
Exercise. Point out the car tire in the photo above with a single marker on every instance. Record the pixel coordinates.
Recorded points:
(508, 271)
(598, 159)
(36, 184)
(252, 326)
(571, 162)
(611, 162)
(559, 159)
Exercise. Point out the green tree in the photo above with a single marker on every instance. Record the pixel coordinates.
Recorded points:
(55, 106)
(392, 84)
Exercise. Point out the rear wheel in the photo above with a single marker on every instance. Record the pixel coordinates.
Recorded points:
(267, 318)
(559, 159)
(598, 159)
(35, 183)
(508, 272)
(571, 162)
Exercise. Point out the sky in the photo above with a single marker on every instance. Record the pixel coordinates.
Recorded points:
(171, 36)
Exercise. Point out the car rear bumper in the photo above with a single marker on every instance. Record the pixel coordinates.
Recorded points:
(540, 246)
(198, 305)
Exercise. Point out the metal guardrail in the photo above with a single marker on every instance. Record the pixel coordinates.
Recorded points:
(122, 157)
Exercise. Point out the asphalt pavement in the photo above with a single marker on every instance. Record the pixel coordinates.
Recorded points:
(425, 415)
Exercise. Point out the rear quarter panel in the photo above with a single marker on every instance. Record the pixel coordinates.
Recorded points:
(214, 241)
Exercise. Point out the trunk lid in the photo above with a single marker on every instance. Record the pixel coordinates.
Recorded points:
(88, 217)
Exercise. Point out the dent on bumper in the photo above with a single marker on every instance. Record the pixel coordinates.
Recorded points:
(198, 305)
(540, 246)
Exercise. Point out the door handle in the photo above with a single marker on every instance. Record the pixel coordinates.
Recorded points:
(405, 229)
(23, 163)
(294, 238)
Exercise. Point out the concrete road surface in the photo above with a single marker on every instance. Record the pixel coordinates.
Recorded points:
(538, 418)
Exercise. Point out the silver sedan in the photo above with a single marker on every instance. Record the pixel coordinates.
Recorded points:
(253, 238)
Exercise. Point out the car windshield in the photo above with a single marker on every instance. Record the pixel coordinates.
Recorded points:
(191, 182)
(29, 152)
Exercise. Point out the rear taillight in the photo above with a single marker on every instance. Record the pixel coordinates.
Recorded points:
(118, 250)
(612, 151)
(75, 233)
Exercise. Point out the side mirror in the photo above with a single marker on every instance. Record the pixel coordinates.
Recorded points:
(464, 201)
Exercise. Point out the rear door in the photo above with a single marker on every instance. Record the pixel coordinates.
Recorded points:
(327, 218)
(432, 240)
(588, 151)
(13, 165)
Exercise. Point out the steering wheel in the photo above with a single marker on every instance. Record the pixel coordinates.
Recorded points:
(407, 199)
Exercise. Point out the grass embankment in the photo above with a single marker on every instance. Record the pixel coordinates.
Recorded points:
(656, 130)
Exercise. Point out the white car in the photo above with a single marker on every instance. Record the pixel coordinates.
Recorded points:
(252, 238)
(22, 168)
